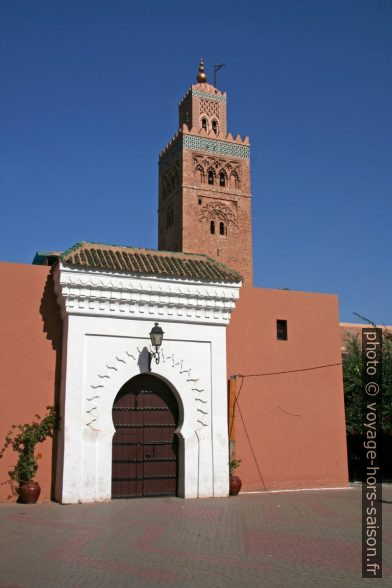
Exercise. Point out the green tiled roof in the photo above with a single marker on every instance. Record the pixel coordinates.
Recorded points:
(148, 261)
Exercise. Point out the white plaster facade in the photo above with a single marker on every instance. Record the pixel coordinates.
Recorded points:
(107, 318)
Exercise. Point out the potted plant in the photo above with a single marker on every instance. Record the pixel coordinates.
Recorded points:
(23, 439)
(235, 481)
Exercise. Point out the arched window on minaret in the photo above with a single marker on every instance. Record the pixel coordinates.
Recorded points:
(210, 177)
(212, 227)
(222, 179)
(222, 228)
(235, 180)
(214, 126)
(204, 123)
(199, 174)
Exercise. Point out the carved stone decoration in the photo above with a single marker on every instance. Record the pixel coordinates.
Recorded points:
(118, 295)
(170, 179)
(230, 169)
(218, 210)
(209, 107)
(130, 359)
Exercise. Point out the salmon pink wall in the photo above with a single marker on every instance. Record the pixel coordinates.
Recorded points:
(295, 422)
(30, 340)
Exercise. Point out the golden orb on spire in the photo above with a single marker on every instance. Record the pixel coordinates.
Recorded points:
(201, 76)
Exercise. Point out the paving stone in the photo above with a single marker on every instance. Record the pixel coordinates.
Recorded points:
(288, 539)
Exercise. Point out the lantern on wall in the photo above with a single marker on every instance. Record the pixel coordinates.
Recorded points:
(156, 336)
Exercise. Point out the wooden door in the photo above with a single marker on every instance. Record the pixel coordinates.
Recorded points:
(145, 447)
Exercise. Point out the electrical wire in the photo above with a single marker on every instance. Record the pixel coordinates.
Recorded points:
(251, 448)
(243, 376)
(236, 403)
(317, 367)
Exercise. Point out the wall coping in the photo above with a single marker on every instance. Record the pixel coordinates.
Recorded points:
(125, 295)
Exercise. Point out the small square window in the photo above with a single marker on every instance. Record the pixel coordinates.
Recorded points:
(281, 330)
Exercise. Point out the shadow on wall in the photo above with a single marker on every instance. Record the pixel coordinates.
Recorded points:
(53, 327)
(143, 361)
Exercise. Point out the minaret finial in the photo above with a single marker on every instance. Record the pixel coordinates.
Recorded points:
(201, 76)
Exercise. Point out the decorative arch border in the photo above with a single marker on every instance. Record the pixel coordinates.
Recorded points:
(125, 366)
(193, 431)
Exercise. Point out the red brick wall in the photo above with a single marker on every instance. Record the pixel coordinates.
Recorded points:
(233, 249)
(30, 339)
(295, 421)
(195, 203)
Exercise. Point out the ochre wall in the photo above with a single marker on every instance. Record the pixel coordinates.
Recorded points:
(295, 422)
(30, 340)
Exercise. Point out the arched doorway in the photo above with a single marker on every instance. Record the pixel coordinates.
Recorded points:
(145, 446)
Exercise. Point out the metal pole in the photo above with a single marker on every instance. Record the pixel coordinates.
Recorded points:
(232, 398)
(217, 67)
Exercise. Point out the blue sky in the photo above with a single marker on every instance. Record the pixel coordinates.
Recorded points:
(89, 98)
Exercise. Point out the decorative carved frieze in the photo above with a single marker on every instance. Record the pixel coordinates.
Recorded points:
(226, 170)
(128, 360)
(88, 292)
(217, 211)
(209, 108)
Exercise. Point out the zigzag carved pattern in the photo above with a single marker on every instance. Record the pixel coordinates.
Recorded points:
(120, 362)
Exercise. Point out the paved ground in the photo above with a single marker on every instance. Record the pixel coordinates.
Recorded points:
(291, 539)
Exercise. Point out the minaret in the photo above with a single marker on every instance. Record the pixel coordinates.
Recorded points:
(204, 183)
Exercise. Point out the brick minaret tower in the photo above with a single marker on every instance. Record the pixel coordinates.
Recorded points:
(204, 183)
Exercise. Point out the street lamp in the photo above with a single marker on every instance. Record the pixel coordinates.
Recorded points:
(156, 336)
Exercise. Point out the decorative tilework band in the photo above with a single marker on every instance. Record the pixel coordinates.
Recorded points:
(215, 146)
(209, 96)
(203, 144)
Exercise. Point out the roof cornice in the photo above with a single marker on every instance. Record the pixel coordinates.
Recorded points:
(110, 294)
